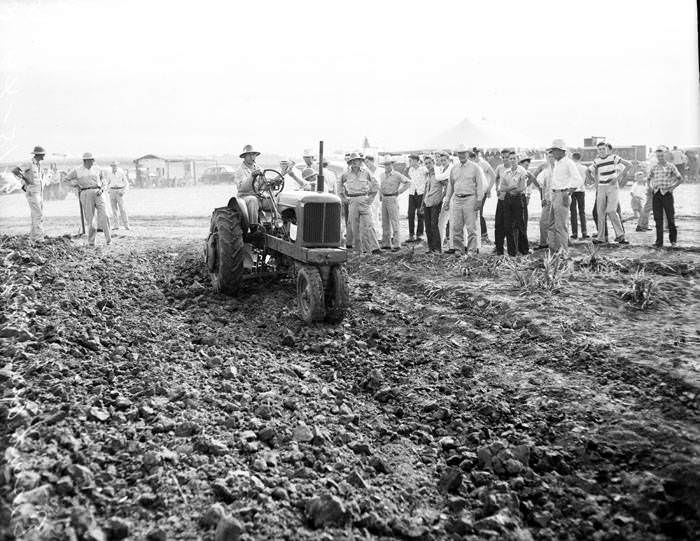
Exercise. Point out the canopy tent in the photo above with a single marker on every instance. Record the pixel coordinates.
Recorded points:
(481, 133)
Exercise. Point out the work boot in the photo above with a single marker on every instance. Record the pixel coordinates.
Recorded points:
(621, 240)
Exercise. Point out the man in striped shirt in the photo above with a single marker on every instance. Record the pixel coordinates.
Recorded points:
(607, 172)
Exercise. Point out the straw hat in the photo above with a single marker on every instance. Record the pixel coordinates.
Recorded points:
(558, 144)
(248, 149)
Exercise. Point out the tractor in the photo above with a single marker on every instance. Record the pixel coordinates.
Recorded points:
(298, 236)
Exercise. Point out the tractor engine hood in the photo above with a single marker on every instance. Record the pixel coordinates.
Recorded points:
(287, 200)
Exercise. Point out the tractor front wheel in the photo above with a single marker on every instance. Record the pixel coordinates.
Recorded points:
(310, 296)
(337, 294)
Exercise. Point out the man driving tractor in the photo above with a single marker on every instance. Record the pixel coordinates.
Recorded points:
(244, 178)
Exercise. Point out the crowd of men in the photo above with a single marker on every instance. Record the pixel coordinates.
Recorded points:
(92, 183)
(447, 191)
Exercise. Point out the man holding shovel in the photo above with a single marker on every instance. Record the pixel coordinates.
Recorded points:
(91, 182)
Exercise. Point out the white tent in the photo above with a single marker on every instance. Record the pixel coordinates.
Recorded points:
(480, 133)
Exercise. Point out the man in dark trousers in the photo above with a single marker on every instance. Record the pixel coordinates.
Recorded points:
(664, 177)
(417, 173)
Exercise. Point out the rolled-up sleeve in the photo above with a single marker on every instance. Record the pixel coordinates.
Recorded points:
(480, 183)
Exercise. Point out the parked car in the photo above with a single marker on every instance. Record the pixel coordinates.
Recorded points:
(218, 174)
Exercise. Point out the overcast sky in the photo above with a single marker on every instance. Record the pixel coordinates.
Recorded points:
(203, 77)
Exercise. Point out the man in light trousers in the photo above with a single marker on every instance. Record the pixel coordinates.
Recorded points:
(565, 179)
(91, 183)
(33, 181)
(466, 183)
(391, 185)
(608, 169)
(442, 172)
(118, 186)
(360, 187)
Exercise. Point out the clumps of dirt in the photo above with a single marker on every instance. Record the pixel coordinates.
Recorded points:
(137, 404)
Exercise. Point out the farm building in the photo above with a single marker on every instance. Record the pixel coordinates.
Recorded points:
(152, 170)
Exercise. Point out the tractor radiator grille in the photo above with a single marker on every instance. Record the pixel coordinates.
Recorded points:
(321, 223)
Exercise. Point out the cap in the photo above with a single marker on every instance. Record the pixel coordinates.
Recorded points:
(38, 150)
(88, 156)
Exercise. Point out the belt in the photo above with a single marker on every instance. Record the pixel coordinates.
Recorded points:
(463, 195)
(562, 190)
(390, 194)
(357, 194)
(118, 188)
(93, 188)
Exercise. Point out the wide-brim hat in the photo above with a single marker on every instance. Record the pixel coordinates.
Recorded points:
(248, 149)
(115, 163)
(353, 156)
(462, 149)
(38, 150)
(522, 159)
(413, 156)
(388, 160)
(662, 148)
(88, 156)
(558, 144)
(308, 153)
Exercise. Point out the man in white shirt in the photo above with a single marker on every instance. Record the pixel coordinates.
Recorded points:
(442, 173)
(499, 232)
(578, 200)
(544, 180)
(33, 182)
(330, 179)
(376, 208)
(417, 173)
(91, 183)
(490, 176)
(466, 183)
(118, 186)
(292, 181)
(565, 179)
(679, 160)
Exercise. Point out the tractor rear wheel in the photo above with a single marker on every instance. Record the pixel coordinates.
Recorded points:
(310, 296)
(225, 251)
(337, 294)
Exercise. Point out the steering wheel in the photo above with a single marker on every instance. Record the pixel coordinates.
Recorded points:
(268, 181)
